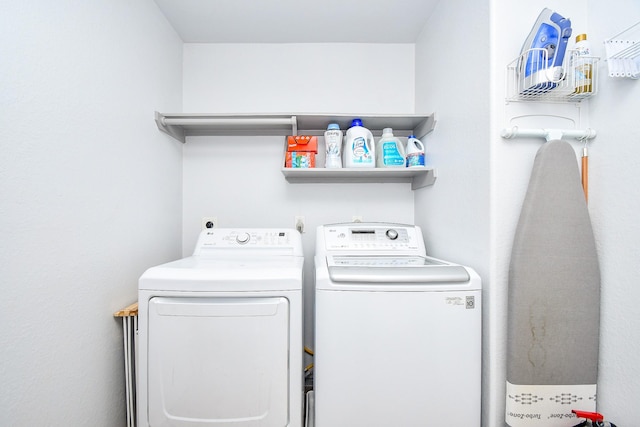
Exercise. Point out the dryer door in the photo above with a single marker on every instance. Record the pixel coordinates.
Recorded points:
(218, 361)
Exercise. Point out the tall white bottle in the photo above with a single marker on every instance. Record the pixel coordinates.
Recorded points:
(333, 146)
(359, 147)
(390, 152)
(582, 65)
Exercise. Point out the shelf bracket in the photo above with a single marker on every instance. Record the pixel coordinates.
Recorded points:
(426, 126)
(548, 134)
(175, 131)
(425, 180)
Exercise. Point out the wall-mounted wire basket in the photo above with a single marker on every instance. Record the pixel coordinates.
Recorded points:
(529, 78)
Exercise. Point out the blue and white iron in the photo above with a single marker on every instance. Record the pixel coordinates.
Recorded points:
(543, 53)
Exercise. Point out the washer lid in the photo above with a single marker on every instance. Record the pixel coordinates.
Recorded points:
(396, 269)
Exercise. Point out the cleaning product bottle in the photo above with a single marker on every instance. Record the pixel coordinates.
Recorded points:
(582, 65)
(333, 146)
(359, 147)
(415, 152)
(390, 151)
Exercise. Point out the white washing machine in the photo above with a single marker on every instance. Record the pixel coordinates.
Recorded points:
(220, 333)
(397, 333)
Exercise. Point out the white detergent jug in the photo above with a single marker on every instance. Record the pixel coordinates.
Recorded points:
(390, 152)
(359, 147)
(415, 152)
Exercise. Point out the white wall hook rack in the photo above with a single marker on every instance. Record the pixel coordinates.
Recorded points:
(548, 134)
(623, 53)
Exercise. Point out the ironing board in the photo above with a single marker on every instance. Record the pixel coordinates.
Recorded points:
(554, 298)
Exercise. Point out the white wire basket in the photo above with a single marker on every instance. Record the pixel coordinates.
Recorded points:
(530, 79)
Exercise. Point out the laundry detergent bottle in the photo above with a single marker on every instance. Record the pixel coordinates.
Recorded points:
(359, 147)
(390, 151)
(415, 152)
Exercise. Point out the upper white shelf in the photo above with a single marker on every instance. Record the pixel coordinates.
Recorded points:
(181, 125)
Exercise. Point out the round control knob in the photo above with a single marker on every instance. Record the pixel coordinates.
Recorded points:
(243, 238)
(392, 234)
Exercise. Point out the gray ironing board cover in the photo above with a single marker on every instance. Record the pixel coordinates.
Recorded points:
(554, 298)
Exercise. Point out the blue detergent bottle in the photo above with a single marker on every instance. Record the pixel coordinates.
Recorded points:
(390, 151)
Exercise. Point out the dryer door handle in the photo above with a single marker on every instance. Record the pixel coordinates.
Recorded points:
(217, 307)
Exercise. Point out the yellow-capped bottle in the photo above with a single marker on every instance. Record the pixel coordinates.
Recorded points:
(582, 66)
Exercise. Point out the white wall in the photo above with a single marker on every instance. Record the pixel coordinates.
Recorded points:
(91, 196)
(614, 205)
(299, 78)
(471, 213)
(452, 78)
(91, 191)
(613, 177)
(511, 162)
(239, 179)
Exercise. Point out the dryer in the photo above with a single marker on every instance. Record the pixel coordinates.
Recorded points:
(220, 333)
(397, 333)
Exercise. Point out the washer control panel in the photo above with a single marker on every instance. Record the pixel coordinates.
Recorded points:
(371, 236)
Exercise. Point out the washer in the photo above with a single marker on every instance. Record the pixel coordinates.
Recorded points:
(220, 333)
(397, 333)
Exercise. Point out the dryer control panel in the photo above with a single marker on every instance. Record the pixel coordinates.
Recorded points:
(355, 237)
(269, 240)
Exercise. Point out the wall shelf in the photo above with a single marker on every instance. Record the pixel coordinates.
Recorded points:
(418, 177)
(181, 125)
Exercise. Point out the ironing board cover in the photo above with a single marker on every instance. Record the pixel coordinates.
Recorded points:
(554, 298)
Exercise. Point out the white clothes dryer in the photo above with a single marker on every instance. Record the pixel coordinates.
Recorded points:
(397, 333)
(220, 333)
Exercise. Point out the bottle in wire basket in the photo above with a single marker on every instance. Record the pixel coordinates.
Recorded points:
(582, 65)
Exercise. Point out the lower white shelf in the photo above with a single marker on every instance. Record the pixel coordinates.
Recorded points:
(418, 177)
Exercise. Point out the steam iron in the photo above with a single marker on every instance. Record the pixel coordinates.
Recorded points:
(543, 53)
